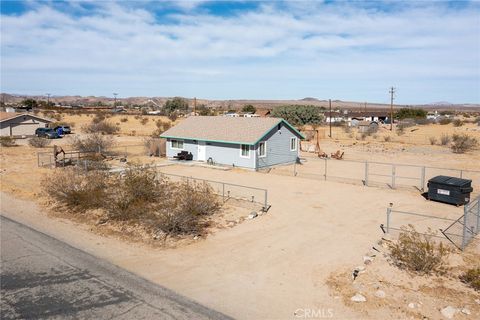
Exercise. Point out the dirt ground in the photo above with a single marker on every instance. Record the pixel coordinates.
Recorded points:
(282, 263)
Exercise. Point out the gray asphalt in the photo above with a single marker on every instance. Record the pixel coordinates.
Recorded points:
(44, 278)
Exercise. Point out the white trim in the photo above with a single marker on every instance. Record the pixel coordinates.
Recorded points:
(241, 155)
(172, 147)
(296, 143)
(265, 149)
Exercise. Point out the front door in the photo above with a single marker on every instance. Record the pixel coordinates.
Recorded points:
(202, 151)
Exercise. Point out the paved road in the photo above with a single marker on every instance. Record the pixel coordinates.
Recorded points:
(42, 277)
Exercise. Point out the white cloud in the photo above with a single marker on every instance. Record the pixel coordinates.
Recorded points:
(298, 48)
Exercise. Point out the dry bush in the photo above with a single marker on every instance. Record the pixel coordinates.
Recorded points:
(153, 146)
(38, 142)
(347, 129)
(57, 116)
(387, 138)
(7, 142)
(418, 252)
(444, 139)
(144, 121)
(462, 143)
(124, 119)
(445, 121)
(104, 127)
(94, 142)
(433, 140)
(172, 116)
(400, 129)
(472, 278)
(77, 190)
(188, 205)
(457, 123)
(99, 117)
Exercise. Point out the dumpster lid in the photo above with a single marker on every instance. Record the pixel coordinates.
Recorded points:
(452, 181)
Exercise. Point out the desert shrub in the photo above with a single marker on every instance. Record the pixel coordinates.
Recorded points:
(445, 121)
(37, 142)
(172, 116)
(418, 252)
(153, 146)
(387, 138)
(299, 114)
(124, 119)
(433, 140)
(423, 121)
(135, 193)
(472, 278)
(104, 127)
(7, 142)
(347, 129)
(405, 113)
(444, 139)
(144, 121)
(94, 142)
(99, 117)
(462, 143)
(457, 123)
(190, 203)
(364, 135)
(57, 116)
(400, 130)
(80, 191)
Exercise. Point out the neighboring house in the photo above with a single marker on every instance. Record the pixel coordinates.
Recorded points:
(232, 115)
(20, 124)
(367, 126)
(250, 115)
(9, 109)
(432, 115)
(235, 141)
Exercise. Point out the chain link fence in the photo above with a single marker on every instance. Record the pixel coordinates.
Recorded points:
(372, 173)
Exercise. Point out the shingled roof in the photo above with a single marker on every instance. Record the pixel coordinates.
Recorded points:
(225, 129)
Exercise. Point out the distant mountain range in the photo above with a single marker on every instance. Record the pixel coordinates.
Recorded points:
(233, 104)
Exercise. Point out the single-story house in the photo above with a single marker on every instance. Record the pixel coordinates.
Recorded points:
(21, 124)
(253, 143)
(367, 126)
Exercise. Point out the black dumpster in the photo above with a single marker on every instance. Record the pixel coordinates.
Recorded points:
(449, 190)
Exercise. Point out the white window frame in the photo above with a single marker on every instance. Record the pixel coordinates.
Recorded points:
(264, 148)
(241, 154)
(296, 143)
(177, 140)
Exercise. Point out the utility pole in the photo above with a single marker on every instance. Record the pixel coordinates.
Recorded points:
(195, 106)
(115, 101)
(330, 105)
(48, 99)
(365, 104)
(392, 92)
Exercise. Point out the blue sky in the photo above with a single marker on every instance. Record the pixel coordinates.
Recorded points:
(348, 50)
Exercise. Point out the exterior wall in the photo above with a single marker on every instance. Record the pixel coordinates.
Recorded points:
(278, 148)
(21, 126)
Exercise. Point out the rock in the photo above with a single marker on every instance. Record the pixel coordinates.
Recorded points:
(123, 159)
(252, 215)
(367, 260)
(358, 298)
(159, 235)
(477, 301)
(196, 237)
(360, 269)
(466, 311)
(448, 312)
(101, 221)
(412, 305)
(380, 294)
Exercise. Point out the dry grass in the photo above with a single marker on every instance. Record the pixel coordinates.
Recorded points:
(7, 142)
(37, 142)
(462, 143)
(472, 278)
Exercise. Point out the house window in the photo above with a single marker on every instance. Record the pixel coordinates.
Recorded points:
(177, 144)
(245, 151)
(262, 149)
(293, 144)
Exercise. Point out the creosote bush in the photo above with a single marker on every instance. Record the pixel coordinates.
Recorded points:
(445, 121)
(104, 127)
(433, 140)
(7, 142)
(418, 252)
(38, 142)
(137, 195)
(457, 123)
(444, 139)
(472, 278)
(94, 142)
(462, 143)
(75, 189)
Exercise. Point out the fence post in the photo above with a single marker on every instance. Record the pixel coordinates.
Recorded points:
(389, 211)
(295, 169)
(325, 169)
(266, 200)
(393, 176)
(461, 174)
(223, 192)
(423, 179)
(464, 236)
(366, 173)
(478, 214)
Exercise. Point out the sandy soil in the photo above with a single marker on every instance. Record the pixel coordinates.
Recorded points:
(278, 264)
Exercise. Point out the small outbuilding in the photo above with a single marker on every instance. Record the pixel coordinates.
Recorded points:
(21, 124)
(253, 143)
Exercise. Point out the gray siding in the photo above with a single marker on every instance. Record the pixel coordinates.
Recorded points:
(278, 147)
(188, 145)
(229, 154)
